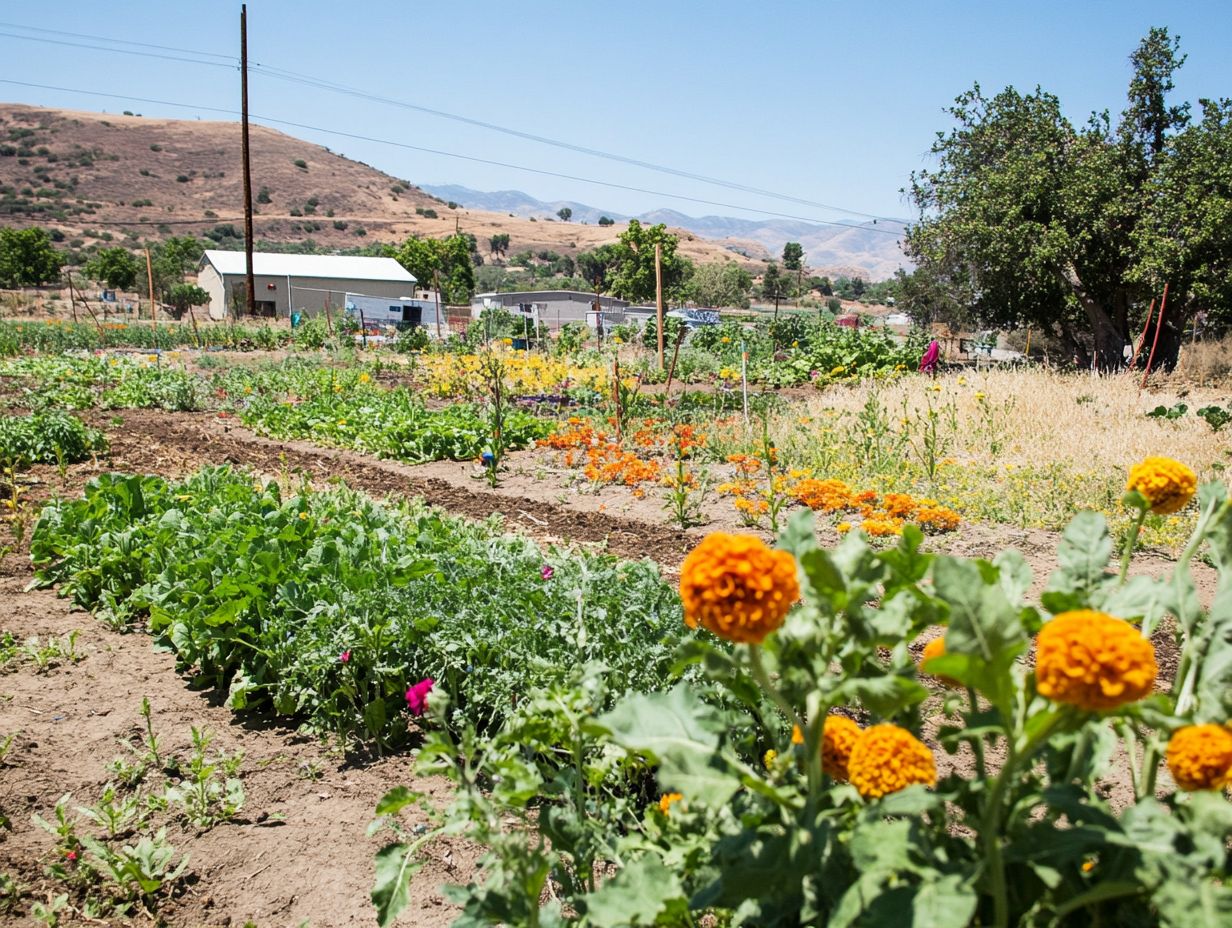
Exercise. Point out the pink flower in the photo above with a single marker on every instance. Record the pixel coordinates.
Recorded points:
(417, 696)
(71, 855)
(546, 571)
(345, 656)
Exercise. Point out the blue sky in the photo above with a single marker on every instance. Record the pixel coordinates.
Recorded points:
(835, 103)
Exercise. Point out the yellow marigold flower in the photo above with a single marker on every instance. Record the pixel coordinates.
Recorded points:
(936, 648)
(1093, 660)
(364, 377)
(797, 736)
(843, 528)
(666, 800)
(1200, 757)
(886, 758)
(768, 758)
(838, 736)
(1168, 485)
(737, 587)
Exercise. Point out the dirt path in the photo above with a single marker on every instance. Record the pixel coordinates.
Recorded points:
(298, 851)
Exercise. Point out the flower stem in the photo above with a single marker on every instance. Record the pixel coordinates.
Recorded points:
(1131, 541)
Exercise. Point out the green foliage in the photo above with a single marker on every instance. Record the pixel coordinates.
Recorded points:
(27, 258)
(776, 841)
(565, 213)
(185, 296)
(1076, 230)
(450, 258)
(631, 263)
(793, 256)
(116, 267)
(47, 438)
(326, 606)
(725, 284)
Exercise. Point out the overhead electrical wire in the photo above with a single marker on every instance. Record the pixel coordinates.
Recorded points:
(448, 154)
(308, 80)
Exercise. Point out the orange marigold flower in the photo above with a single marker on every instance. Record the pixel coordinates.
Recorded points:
(838, 736)
(666, 800)
(936, 648)
(1093, 660)
(1200, 757)
(823, 495)
(737, 587)
(1168, 485)
(899, 505)
(877, 527)
(797, 736)
(886, 758)
(937, 519)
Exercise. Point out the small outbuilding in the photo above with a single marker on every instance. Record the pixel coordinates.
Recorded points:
(305, 284)
(553, 307)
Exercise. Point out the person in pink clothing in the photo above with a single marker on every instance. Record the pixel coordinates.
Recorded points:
(932, 354)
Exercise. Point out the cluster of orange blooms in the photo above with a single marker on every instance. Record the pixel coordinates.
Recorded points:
(884, 516)
(606, 461)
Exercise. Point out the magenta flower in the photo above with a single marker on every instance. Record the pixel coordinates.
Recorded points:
(417, 696)
(345, 656)
(546, 571)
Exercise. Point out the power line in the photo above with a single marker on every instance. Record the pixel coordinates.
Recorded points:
(117, 51)
(103, 38)
(311, 81)
(448, 154)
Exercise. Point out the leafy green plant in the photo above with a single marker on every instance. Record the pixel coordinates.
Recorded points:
(46, 438)
(209, 792)
(795, 785)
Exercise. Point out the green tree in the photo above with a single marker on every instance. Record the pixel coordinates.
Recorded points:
(27, 258)
(597, 266)
(183, 296)
(725, 284)
(565, 213)
(445, 259)
(857, 287)
(1074, 229)
(793, 256)
(499, 244)
(171, 260)
(633, 274)
(606, 221)
(115, 267)
(773, 285)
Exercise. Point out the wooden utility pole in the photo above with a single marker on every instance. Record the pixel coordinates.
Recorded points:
(249, 286)
(436, 284)
(149, 276)
(659, 297)
(102, 336)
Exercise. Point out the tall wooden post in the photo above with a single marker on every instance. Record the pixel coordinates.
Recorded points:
(149, 276)
(659, 297)
(249, 286)
(436, 283)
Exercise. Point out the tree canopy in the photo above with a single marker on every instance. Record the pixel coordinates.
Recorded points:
(450, 258)
(631, 271)
(27, 258)
(1076, 229)
(115, 267)
(725, 284)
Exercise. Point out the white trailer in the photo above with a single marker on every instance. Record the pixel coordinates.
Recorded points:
(401, 313)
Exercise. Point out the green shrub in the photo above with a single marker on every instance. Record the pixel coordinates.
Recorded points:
(47, 438)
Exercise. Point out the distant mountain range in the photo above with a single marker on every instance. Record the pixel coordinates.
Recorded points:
(846, 247)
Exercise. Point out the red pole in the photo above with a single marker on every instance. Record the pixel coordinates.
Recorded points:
(1142, 337)
(1159, 324)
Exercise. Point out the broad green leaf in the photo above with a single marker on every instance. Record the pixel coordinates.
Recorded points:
(637, 895)
(1083, 555)
(392, 890)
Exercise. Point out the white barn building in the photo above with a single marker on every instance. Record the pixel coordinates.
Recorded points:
(302, 283)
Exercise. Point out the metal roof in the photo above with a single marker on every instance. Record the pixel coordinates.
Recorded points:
(341, 267)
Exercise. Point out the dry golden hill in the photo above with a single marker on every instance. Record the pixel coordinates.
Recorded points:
(92, 174)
